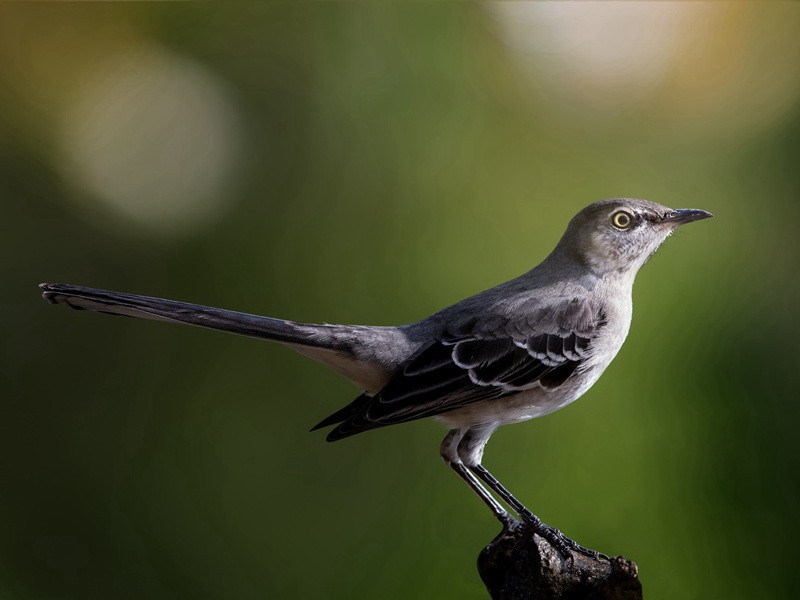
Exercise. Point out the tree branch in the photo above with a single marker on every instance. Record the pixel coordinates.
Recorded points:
(520, 565)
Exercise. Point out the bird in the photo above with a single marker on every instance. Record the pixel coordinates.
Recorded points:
(520, 350)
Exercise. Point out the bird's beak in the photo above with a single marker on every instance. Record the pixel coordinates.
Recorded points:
(685, 215)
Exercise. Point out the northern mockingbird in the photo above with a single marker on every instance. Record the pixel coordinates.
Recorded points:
(520, 350)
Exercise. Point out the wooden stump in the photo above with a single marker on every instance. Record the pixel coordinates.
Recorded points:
(520, 565)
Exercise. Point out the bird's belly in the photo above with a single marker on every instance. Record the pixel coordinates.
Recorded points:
(525, 405)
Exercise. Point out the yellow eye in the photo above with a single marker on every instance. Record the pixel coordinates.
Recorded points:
(622, 220)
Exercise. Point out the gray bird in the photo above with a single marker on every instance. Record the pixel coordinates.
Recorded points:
(520, 350)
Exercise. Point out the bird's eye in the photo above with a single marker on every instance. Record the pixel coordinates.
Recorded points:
(621, 220)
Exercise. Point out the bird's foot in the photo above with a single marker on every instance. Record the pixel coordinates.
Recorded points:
(507, 521)
(563, 545)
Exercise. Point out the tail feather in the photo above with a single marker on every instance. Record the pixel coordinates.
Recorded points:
(365, 355)
(159, 309)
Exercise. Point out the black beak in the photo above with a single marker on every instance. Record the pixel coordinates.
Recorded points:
(686, 215)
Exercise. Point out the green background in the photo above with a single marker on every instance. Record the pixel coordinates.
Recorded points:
(382, 162)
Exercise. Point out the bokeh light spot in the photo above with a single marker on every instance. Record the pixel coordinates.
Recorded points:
(153, 137)
(699, 69)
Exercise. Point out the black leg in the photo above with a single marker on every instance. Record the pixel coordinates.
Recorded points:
(559, 541)
(498, 510)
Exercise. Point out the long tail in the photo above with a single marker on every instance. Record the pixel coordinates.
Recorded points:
(365, 355)
(159, 309)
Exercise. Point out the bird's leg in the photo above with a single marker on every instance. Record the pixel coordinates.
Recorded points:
(470, 452)
(449, 452)
(498, 510)
(559, 541)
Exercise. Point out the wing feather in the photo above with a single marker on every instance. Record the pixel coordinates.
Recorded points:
(482, 359)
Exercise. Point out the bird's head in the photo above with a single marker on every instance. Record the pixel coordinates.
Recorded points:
(620, 234)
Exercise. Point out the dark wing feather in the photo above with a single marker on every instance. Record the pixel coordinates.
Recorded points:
(345, 413)
(479, 359)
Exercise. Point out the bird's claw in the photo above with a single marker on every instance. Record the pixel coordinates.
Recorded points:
(565, 546)
(508, 521)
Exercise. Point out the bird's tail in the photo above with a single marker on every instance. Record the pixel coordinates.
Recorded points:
(159, 309)
(363, 354)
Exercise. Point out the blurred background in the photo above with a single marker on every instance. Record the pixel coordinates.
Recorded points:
(372, 164)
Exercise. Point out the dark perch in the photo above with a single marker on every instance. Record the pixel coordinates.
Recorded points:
(520, 565)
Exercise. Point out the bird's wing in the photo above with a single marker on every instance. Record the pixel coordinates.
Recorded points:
(481, 358)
